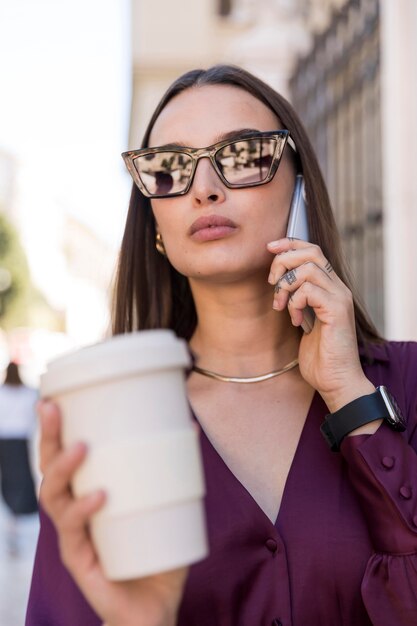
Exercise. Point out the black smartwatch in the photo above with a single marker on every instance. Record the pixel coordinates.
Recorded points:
(377, 405)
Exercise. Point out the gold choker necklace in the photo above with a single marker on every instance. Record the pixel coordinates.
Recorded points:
(252, 379)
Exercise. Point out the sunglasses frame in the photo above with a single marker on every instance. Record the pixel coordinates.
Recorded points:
(281, 136)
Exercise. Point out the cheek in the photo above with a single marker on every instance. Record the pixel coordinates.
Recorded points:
(273, 215)
(168, 223)
(184, 259)
(167, 218)
(283, 187)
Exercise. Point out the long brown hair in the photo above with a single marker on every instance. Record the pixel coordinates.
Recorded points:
(149, 292)
(12, 375)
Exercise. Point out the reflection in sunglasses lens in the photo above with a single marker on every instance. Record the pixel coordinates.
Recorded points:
(165, 173)
(243, 162)
(246, 162)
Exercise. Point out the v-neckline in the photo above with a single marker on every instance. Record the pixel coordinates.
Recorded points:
(314, 401)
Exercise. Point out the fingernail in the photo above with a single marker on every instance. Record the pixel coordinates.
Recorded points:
(78, 446)
(272, 244)
(97, 496)
(271, 279)
(45, 412)
(275, 305)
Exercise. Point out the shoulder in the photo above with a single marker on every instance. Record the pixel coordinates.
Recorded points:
(402, 349)
(390, 353)
(394, 364)
(402, 359)
(384, 350)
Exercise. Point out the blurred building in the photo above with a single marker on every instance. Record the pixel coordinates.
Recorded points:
(336, 89)
(349, 68)
(71, 268)
(8, 169)
(265, 36)
(90, 263)
(357, 94)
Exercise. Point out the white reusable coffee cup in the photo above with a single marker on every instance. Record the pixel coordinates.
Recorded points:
(126, 399)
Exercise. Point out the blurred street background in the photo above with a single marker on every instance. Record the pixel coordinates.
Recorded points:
(79, 79)
(16, 570)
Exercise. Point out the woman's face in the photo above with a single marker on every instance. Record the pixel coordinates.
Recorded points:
(199, 117)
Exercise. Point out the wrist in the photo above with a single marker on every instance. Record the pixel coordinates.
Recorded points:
(336, 399)
(362, 415)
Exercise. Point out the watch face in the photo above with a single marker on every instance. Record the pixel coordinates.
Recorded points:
(395, 418)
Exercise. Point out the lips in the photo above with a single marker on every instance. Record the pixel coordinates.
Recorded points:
(211, 227)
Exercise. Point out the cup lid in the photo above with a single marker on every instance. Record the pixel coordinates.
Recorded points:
(121, 355)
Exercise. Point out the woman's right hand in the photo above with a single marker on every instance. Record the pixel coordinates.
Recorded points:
(150, 601)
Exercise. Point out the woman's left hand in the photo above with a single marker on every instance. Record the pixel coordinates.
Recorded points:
(328, 356)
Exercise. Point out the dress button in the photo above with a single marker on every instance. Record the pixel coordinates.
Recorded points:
(272, 546)
(388, 462)
(405, 492)
(276, 622)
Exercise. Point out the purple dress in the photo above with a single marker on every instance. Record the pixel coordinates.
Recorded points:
(342, 552)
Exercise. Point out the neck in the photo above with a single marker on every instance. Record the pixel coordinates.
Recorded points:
(238, 332)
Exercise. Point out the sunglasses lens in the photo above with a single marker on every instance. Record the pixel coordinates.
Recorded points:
(247, 161)
(164, 173)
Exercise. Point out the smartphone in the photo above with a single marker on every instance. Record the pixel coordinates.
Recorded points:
(298, 228)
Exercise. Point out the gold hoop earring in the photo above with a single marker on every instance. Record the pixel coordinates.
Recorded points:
(159, 244)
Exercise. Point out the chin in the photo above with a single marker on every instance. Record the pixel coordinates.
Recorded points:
(226, 274)
(222, 263)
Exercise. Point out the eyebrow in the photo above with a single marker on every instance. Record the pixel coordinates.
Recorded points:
(222, 137)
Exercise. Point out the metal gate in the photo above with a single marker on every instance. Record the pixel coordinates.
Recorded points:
(336, 91)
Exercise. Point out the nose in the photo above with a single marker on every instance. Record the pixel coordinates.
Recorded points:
(206, 188)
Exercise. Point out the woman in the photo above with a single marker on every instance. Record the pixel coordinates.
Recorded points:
(299, 534)
(17, 421)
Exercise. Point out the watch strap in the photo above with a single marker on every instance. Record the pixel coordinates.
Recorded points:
(351, 416)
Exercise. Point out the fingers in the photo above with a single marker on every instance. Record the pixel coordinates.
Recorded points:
(77, 515)
(330, 308)
(77, 551)
(304, 277)
(55, 493)
(70, 515)
(292, 280)
(291, 253)
(57, 465)
(50, 443)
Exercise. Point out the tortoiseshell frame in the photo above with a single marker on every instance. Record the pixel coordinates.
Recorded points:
(281, 136)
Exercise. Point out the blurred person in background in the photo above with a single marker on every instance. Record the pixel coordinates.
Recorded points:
(303, 528)
(17, 425)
